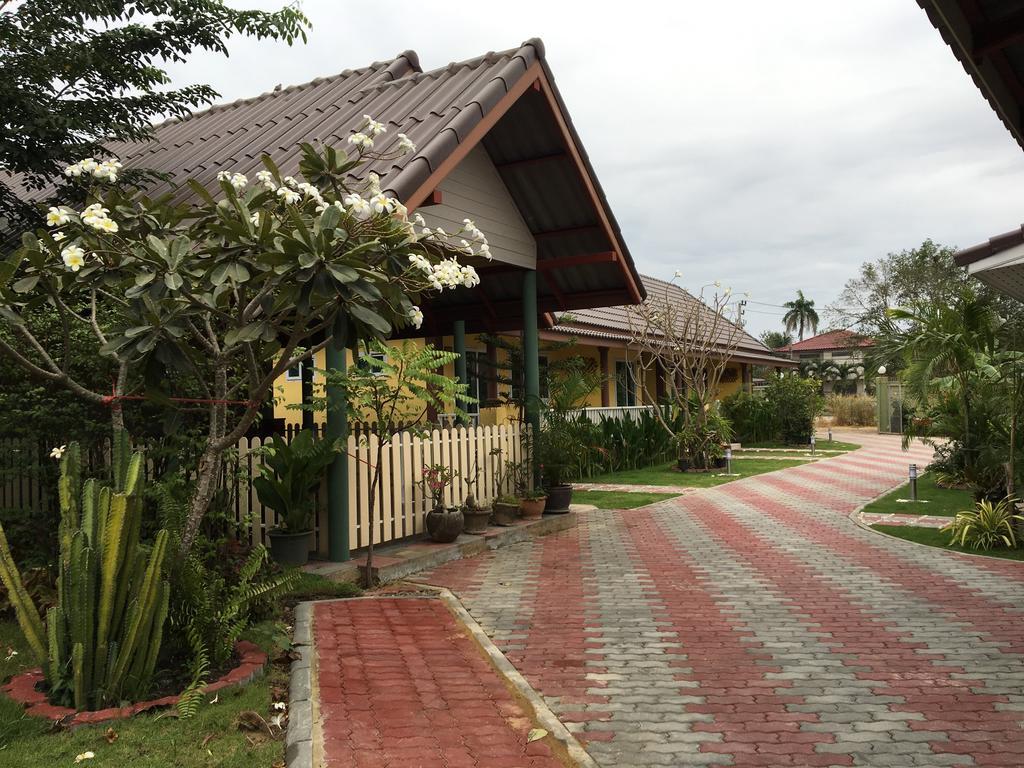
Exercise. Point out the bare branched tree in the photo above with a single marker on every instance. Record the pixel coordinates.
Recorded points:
(687, 341)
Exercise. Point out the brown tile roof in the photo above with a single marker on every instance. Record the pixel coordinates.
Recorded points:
(990, 247)
(506, 101)
(841, 339)
(612, 323)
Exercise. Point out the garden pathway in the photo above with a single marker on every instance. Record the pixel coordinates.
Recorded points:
(755, 624)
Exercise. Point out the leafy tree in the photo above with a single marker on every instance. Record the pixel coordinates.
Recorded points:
(801, 314)
(224, 295)
(78, 73)
(910, 278)
(393, 390)
(776, 339)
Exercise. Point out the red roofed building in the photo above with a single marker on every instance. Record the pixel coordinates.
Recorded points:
(833, 349)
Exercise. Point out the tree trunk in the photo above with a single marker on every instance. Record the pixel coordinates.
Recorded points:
(371, 510)
(206, 485)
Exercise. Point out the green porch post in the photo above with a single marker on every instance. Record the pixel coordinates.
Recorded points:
(531, 358)
(459, 346)
(337, 428)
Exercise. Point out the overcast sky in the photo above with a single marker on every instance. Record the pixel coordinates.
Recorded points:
(773, 146)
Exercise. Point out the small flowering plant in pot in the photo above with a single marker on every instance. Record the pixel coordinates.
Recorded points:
(444, 524)
(475, 514)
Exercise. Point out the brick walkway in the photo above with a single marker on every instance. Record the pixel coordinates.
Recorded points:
(916, 521)
(755, 624)
(401, 686)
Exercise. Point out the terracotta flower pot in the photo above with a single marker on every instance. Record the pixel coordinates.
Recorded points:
(532, 508)
(444, 525)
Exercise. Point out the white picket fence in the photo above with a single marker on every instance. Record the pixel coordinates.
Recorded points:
(631, 412)
(401, 498)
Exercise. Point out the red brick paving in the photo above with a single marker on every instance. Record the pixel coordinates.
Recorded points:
(402, 686)
(756, 624)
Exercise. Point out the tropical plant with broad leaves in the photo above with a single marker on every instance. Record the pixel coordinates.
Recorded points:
(222, 291)
(990, 525)
(291, 472)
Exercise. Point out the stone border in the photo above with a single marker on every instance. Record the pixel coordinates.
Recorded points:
(543, 715)
(22, 689)
(298, 750)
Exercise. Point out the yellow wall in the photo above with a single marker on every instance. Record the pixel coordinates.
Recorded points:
(288, 392)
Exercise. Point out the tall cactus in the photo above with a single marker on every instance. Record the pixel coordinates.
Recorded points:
(101, 640)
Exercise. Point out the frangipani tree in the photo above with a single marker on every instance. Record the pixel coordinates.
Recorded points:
(221, 291)
(688, 342)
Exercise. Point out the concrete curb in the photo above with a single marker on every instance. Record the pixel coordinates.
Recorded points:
(302, 701)
(543, 715)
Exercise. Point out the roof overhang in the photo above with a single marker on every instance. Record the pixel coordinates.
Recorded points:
(987, 36)
(998, 263)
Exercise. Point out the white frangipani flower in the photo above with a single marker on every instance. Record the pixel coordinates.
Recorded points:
(238, 181)
(418, 219)
(357, 206)
(416, 317)
(58, 236)
(361, 140)
(57, 217)
(255, 219)
(84, 756)
(74, 257)
(405, 145)
(58, 452)
(374, 127)
(289, 196)
(381, 203)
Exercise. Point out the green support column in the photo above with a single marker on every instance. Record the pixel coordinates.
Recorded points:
(337, 428)
(531, 358)
(459, 346)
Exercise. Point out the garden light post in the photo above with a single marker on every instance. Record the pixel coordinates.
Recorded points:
(728, 460)
(337, 429)
(913, 482)
(830, 434)
(812, 445)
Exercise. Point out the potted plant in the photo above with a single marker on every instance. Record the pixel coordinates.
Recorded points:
(505, 509)
(289, 478)
(444, 524)
(475, 515)
(531, 503)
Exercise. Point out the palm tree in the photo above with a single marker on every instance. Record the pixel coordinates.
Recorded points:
(801, 314)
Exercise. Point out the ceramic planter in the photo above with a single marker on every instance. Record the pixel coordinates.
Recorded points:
(290, 548)
(444, 525)
(475, 520)
(504, 514)
(532, 508)
(559, 499)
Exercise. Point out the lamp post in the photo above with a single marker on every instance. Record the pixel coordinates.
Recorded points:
(812, 445)
(728, 460)
(830, 434)
(913, 482)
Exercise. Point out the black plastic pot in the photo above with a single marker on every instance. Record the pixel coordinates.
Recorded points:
(559, 499)
(444, 525)
(683, 463)
(720, 463)
(290, 548)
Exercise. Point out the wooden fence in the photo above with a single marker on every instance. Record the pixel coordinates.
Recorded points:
(401, 500)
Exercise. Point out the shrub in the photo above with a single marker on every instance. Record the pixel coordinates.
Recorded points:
(852, 410)
(987, 526)
(796, 403)
(752, 416)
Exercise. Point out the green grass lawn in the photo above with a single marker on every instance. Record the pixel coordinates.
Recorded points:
(664, 474)
(933, 537)
(821, 445)
(618, 499)
(943, 502)
(160, 740)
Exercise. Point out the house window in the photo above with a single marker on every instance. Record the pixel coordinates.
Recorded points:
(294, 373)
(361, 362)
(625, 384)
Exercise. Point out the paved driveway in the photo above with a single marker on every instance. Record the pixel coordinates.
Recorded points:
(755, 624)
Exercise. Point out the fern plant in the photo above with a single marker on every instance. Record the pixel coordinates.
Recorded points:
(987, 526)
